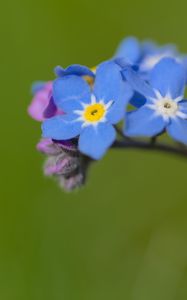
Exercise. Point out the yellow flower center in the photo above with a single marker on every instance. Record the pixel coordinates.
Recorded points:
(94, 112)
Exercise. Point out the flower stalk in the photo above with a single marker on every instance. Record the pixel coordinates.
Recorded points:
(144, 145)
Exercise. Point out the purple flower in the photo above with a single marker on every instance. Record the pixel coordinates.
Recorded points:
(40, 102)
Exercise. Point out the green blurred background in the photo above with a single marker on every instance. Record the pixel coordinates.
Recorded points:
(124, 236)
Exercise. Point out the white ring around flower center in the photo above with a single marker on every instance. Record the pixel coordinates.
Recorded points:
(166, 106)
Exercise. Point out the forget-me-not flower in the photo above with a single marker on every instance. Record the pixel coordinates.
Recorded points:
(90, 112)
(144, 54)
(42, 105)
(165, 107)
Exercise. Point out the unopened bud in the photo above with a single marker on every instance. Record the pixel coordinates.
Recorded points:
(73, 182)
(61, 164)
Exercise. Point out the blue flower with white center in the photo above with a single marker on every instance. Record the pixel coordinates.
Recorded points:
(143, 56)
(90, 111)
(165, 108)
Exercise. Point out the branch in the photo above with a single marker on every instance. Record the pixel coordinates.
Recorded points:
(150, 146)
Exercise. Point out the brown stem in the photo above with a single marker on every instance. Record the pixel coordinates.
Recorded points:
(150, 146)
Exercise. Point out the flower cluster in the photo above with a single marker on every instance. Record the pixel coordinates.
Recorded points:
(141, 86)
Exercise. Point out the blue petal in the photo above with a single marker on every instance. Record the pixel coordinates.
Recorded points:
(138, 100)
(183, 106)
(94, 141)
(109, 83)
(123, 63)
(177, 129)
(78, 70)
(168, 76)
(61, 127)
(70, 87)
(184, 62)
(151, 48)
(137, 83)
(117, 111)
(143, 122)
(70, 106)
(130, 49)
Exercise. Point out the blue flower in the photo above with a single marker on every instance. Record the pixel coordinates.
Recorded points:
(143, 56)
(90, 112)
(165, 108)
(146, 54)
